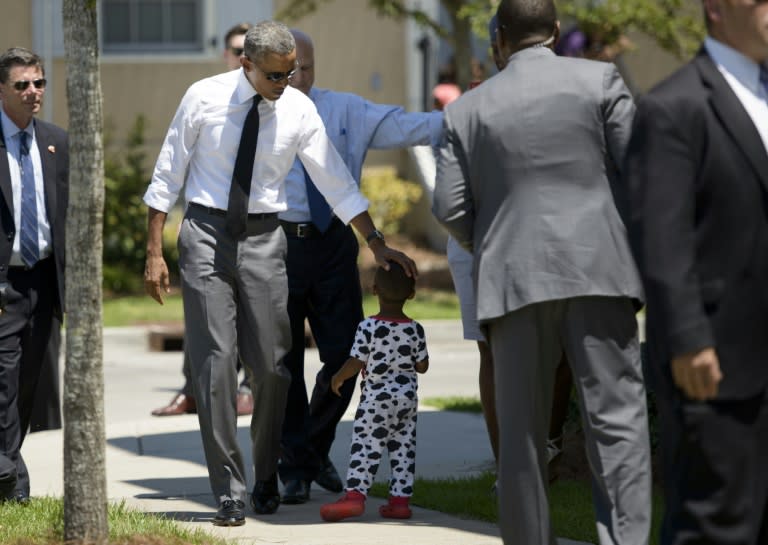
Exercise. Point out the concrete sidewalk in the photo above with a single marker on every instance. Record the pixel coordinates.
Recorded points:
(157, 464)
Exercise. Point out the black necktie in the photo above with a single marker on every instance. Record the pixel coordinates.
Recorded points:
(764, 80)
(240, 190)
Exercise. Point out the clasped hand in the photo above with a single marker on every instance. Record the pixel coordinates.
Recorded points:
(698, 374)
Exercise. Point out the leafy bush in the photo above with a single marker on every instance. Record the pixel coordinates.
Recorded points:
(125, 214)
(391, 198)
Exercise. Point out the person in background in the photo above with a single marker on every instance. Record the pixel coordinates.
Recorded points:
(697, 179)
(34, 191)
(233, 45)
(183, 401)
(323, 280)
(445, 93)
(389, 349)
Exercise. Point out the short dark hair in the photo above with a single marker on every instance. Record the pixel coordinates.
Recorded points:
(521, 19)
(238, 30)
(18, 56)
(394, 285)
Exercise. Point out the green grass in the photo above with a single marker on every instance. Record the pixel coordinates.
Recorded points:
(570, 503)
(455, 403)
(141, 309)
(41, 522)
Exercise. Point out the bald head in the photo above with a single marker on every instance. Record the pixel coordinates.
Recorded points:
(304, 78)
(523, 23)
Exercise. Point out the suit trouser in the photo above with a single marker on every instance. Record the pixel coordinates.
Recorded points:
(599, 338)
(46, 410)
(235, 294)
(7, 476)
(715, 460)
(25, 329)
(324, 287)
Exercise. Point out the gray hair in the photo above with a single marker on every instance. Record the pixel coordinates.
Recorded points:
(18, 56)
(268, 37)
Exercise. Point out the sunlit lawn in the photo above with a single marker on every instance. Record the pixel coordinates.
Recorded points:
(41, 522)
(141, 309)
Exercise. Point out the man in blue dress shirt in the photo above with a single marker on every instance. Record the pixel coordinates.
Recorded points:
(323, 281)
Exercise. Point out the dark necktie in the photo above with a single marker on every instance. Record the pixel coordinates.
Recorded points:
(30, 251)
(764, 81)
(240, 190)
(318, 206)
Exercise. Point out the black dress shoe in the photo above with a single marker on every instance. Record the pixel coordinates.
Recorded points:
(230, 513)
(296, 491)
(17, 497)
(265, 498)
(328, 477)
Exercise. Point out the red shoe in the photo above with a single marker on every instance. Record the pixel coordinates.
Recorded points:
(397, 508)
(351, 505)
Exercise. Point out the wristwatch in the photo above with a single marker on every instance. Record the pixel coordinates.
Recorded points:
(375, 234)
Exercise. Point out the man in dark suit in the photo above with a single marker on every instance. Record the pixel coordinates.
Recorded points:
(697, 206)
(34, 172)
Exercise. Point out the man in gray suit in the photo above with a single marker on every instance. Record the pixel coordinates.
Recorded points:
(524, 181)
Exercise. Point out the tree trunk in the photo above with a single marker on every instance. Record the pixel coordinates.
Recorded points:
(461, 39)
(85, 486)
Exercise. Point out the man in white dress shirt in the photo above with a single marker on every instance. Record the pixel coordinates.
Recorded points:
(232, 251)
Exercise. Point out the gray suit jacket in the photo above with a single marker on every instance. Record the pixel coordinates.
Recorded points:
(524, 181)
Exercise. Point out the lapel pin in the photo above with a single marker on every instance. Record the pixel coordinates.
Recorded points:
(52, 149)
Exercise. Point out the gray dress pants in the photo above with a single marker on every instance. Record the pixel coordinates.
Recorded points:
(235, 295)
(599, 338)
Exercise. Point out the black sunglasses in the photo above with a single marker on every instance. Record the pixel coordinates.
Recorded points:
(236, 51)
(23, 85)
(277, 77)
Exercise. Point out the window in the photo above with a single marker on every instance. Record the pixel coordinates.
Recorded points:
(156, 26)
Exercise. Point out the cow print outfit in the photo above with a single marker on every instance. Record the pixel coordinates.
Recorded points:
(386, 416)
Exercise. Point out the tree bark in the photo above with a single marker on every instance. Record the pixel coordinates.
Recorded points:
(85, 487)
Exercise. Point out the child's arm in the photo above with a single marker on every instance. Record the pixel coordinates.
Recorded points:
(350, 368)
(422, 366)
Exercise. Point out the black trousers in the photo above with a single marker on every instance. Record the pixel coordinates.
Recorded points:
(25, 330)
(323, 287)
(46, 407)
(7, 476)
(715, 469)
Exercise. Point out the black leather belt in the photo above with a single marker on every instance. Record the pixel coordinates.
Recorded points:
(306, 230)
(223, 213)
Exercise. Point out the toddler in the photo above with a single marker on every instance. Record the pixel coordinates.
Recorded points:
(389, 349)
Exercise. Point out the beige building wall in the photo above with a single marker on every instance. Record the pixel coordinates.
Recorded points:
(16, 24)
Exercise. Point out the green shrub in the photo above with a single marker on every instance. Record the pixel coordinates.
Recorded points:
(391, 198)
(125, 215)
